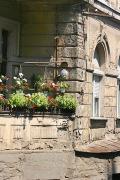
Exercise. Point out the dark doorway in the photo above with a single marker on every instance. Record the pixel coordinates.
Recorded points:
(116, 176)
(4, 51)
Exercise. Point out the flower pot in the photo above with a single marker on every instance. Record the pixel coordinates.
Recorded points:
(19, 91)
(62, 90)
(67, 111)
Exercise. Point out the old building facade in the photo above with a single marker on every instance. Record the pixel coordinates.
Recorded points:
(85, 146)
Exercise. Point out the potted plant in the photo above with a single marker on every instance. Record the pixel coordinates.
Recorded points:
(52, 103)
(2, 102)
(20, 83)
(39, 102)
(17, 101)
(63, 86)
(49, 88)
(66, 103)
(37, 81)
(3, 85)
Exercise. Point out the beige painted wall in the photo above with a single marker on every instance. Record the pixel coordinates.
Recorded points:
(38, 30)
(9, 9)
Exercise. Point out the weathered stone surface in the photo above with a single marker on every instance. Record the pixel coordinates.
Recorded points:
(89, 77)
(91, 168)
(73, 52)
(35, 165)
(109, 81)
(85, 135)
(66, 16)
(76, 86)
(110, 101)
(77, 74)
(45, 166)
(110, 91)
(44, 144)
(110, 125)
(23, 133)
(67, 28)
(87, 98)
(88, 88)
(97, 134)
(110, 112)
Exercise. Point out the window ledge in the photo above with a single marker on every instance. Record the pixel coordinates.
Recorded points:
(99, 118)
(98, 72)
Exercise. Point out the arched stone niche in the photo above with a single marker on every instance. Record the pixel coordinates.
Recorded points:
(101, 53)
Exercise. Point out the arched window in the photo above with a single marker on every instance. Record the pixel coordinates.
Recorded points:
(99, 62)
(118, 89)
(118, 65)
(99, 57)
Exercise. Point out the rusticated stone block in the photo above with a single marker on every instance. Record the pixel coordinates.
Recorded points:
(75, 86)
(72, 52)
(70, 40)
(87, 99)
(110, 91)
(80, 29)
(72, 62)
(110, 101)
(88, 88)
(110, 112)
(66, 28)
(110, 125)
(110, 81)
(84, 110)
(97, 134)
(85, 135)
(84, 123)
(77, 74)
(89, 77)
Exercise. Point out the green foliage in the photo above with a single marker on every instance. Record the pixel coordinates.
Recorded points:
(37, 81)
(39, 100)
(3, 101)
(17, 100)
(64, 85)
(66, 102)
(20, 83)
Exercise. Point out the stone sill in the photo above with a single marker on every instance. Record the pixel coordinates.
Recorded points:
(40, 114)
(98, 118)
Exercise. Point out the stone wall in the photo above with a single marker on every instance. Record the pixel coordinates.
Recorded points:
(35, 133)
(100, 30)
(31, 165)
(38, 147)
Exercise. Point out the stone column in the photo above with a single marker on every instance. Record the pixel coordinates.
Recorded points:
(70, 29)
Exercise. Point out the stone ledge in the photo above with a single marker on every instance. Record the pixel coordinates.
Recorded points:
(99, 118)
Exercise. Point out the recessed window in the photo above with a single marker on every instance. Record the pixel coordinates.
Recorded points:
(116, 176)
(4, 51)
(96, 95)
(99, 57)
(119, 64)
(118, 100)
(99, 64)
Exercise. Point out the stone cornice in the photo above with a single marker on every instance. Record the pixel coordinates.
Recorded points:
(107, 9)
